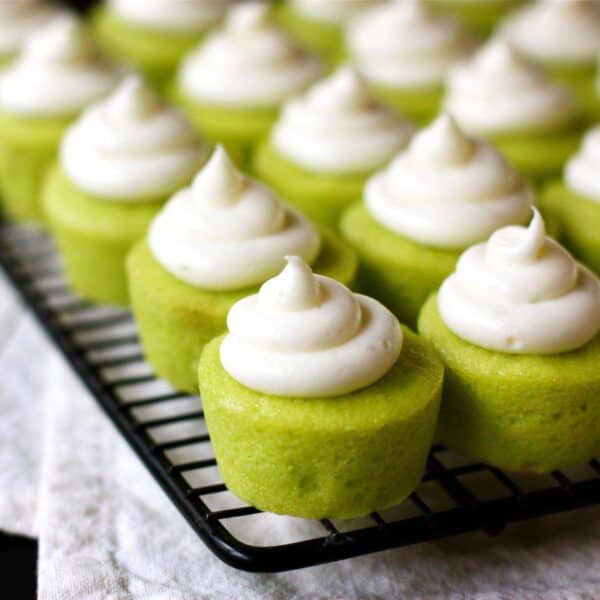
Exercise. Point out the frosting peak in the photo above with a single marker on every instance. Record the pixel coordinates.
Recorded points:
(447, 190)
(132, 101)
(248, 17)
(343, 91)
(306, 335)
(521, 292)
(227, 231)
(581, 172)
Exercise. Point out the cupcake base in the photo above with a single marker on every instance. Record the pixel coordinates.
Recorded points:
(529, 413)
(154, 53)
(420, 105)
(28, 148)
(321, 458)
(480, 16)
(94, 237)
(176, 320)
(398, 272)
(322, 197)
(579, 220)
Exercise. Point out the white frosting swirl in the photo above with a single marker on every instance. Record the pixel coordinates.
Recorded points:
(447, 190)
(581, 172)
(57, 74)
(306, 335)
(131, 147)
(228, 232)
(499, 91)
(175, 15)
(19, 19)
(248, 63)
(332, 12)
(566, 31)
(336, 127)
(521, 293)
(403, 44)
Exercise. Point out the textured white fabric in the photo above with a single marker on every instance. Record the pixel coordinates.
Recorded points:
(107, 531)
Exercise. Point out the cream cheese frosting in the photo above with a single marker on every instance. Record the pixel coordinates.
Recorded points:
(331, 12)
(582, 171)
(57, 74)
(306, 335)
(227, 231)
(447, 190)
(556, 31)
(131, 147)
(404, 44)
(521, 293)
(19, 19)
(498, 91)
(247, 63)
(336, 127)
(174, 15)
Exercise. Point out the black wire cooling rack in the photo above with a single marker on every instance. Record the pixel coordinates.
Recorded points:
(166, 430)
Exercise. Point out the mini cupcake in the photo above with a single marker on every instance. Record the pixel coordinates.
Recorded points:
(57, 75)
(403, 50)
(213, 244)
(118, 164)
(517, 327)
(327, 143)
(575, 202)
(318, 24)
(501, 96)
(480, 16)
(318, 403)
(232, 85)
(445, 192)
(153, 36)
(18, 20)
(564, 37)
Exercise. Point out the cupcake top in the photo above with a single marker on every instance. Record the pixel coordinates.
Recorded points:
(498, 91)
(306, 335)
(336, 127)
(581, 172)
(18, 20)
(404, 44)
(170, 15)
(58, 73)
(447, 190)
(247, 63)
(331, 12)
(521, 293)
(131, 147)
(556, 31)
(227, 231)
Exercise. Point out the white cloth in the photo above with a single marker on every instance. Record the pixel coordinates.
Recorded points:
(107, 531)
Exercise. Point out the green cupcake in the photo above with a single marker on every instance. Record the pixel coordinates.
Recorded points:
(480, 16)
(517, 328)
(153, 36)
(318, 404)
(404, 52)
(501, 96)
(232, 84)
(564, 38)
(213, 244)
(575, 203)
(443, 193)
(41, 92)
(118, 165)
(318, 25)
(327, 143)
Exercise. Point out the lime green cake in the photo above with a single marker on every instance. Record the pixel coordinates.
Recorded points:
(527, 413)
(418, 105)
(320, 458)
(94, 236)
(176, 319)
(154, 53)
(322, 197)
(28, 147)
(579, 219)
